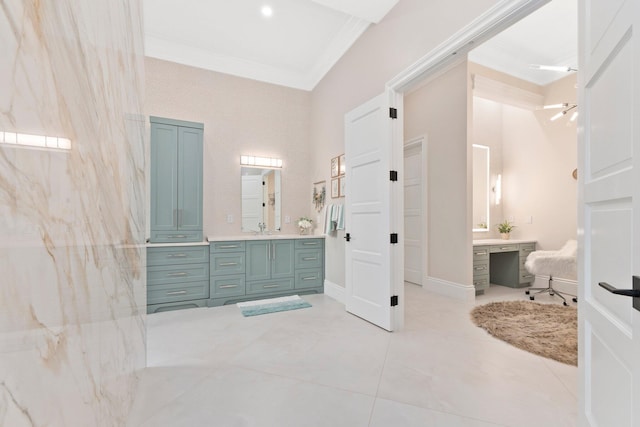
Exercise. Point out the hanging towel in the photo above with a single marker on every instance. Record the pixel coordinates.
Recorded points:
(328, 211)
(340, 218)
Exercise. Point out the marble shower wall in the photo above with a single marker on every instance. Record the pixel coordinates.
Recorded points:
(72, 293)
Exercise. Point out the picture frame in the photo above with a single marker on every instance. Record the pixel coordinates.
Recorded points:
(342, 165)
(319, 195)
(335, 188)
(335, 167)
(341, 186)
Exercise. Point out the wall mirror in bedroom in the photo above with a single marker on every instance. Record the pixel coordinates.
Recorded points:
(481, 175)
(261, 199)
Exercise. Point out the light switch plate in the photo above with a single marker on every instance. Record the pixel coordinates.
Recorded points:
(287, 219)
(230, 219)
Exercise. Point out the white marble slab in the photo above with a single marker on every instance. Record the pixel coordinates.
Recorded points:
(490, 242)
(72, 286)
(250, 236)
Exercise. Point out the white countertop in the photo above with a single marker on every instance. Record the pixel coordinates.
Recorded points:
(161, 245)
(488, 242)
(274, 236)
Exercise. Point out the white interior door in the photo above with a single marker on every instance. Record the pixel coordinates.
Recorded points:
(414, 223)
(251, 202)
(609, 212)
(368, 251)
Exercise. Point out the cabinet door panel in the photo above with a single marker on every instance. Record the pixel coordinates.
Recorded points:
(164, 177)
(258, 260)
(190, 179)
(282, 258)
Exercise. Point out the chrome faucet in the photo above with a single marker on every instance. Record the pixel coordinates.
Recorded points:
(262, 226)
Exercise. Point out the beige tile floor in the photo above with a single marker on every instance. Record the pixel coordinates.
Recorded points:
(324, 367)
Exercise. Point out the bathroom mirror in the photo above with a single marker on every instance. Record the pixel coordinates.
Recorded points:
(261, 197)
(480, 188)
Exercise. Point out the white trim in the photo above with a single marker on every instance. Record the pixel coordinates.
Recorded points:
(334, 291)
(454, 50)
(421, 141)
(450, 289)
(487, 88)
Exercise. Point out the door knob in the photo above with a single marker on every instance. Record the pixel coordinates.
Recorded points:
(347, 237)
(634, 293)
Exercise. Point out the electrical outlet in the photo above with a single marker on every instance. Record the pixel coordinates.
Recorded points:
(230, 219)
(529, 220)
(287, 219)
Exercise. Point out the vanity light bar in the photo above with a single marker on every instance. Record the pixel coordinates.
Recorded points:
(40, 141)
(268, 162)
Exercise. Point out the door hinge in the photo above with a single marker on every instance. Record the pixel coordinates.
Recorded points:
(394, 237)
(263, 205)
(393, 113)
(394, 300)
(263, 183)
(393, 175)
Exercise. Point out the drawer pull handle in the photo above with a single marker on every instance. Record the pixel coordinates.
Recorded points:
(309, 278)
(480, 253)
(177, 236)
(181, 274)
(310, 243)
(309, 259)
(479, 268)
(227, 286)
(227, 264)
(270, 286)
(528, 276)
(228, 246)
(177, 255)
(177, 293)
(504, 248)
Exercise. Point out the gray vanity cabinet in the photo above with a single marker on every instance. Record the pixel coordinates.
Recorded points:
(258, 269)
(176, 181)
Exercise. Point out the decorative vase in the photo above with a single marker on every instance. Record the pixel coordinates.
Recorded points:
(505, 236)
(303, 231)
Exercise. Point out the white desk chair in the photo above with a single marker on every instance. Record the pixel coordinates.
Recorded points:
(560, 263)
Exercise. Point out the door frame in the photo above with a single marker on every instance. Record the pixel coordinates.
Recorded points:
(422, 142)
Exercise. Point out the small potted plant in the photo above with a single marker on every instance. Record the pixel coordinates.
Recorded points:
(505, 228)
(304, 224)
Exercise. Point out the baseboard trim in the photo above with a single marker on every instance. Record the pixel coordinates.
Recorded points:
(334, 291)
(450, 289)
(563, 285)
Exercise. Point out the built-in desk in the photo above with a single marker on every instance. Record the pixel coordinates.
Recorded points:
(501, 262)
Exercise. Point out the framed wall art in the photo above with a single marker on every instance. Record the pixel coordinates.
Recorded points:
(335, 167)
(335, 188)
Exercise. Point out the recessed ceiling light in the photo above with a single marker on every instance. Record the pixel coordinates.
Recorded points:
(267, 11)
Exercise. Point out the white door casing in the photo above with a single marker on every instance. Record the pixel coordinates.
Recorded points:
(414, 222)
(609, 211)
(251, 202)
(369, 255)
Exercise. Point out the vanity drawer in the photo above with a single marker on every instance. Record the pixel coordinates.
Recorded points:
(526, 249)
(235, 246)
(177, 292)
(177, 254)
(480, 253)
(308, 278)
(227, 263)
(308, 243)
(308, 258)
(480, 268)
(269, 286)
(175, 236)
(227, 286)
(166, 274)
(526, 277)
(504, 248)
(481, 283)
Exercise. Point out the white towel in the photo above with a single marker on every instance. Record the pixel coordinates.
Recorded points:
(327, 218)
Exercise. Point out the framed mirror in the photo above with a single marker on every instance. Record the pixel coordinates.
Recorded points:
(481, 188)
(261, 199)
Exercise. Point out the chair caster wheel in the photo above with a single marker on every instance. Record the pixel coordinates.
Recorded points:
(532, 298)
(575, 299)
(526, 292)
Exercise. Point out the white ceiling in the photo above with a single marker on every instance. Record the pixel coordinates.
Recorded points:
(548, 36)
(303, 39)
(295, 47)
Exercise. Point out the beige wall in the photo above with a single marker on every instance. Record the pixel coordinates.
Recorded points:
(240, 116)
(410, 31)
(438, 110)
(536, 158)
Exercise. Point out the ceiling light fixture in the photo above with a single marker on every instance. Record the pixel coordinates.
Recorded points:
(267, 11)
(566, 107)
